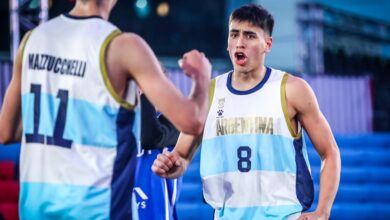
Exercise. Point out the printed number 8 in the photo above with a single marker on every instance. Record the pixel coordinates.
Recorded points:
(244, 154)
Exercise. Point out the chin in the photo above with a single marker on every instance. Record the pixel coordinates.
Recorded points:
(240, 68)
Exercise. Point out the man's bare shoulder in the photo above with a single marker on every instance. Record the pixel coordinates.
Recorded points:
(296, 84)
(300, 95)
(127, 40)
(129, 51)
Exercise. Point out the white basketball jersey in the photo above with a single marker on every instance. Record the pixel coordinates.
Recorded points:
(78, 150)
(253, 166)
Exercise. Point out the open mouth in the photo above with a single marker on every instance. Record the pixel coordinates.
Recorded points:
(240, 58)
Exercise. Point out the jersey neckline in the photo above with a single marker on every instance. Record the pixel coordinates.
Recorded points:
(252, 90)
(80, 17)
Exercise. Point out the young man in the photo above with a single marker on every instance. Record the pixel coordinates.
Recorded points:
(155, 196)
(74, 92)
(254, 163)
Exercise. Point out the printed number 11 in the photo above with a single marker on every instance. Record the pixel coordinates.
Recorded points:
(57, 138)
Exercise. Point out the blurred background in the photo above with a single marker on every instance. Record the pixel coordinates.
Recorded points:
(341, 47)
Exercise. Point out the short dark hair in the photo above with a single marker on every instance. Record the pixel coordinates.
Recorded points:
(254, 14)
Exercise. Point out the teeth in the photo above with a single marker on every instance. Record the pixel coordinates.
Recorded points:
(240, 55)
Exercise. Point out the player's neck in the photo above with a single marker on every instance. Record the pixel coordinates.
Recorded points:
(90, 8)
(247, 80)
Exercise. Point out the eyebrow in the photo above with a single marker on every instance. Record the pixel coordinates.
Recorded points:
(245, 32)
(249, 33)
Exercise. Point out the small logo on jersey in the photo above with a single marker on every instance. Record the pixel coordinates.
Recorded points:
(141, 197)
(221, 105)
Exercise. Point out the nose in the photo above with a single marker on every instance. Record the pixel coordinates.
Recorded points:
(240, 42)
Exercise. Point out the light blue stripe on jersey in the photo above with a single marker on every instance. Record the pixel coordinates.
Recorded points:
(269, 212)
(269, 152)
(58, 201)
(86, 123)
(28, 113)
(137, 126)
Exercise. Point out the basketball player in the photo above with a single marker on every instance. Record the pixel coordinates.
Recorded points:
(155, 196)
(74, 92)
(254, 163)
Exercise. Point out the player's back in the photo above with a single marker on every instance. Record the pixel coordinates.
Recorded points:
(78, 151)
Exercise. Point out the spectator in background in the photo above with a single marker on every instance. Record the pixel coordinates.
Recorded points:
(155, 196)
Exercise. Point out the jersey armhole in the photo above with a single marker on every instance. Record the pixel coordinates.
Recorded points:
(103, 70)
(211, 92)
(24, 42)
(298, 134)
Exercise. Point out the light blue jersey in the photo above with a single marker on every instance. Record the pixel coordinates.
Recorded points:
(78, 153)
(253, 165)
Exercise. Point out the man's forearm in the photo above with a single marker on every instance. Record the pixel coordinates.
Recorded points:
(187, 145)
(329, 182)
(199, 96)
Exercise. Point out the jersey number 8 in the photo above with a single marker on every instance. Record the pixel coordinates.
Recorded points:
(244, 154)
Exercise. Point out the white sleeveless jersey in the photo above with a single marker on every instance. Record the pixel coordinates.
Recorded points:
(253, 166)
(78, 148)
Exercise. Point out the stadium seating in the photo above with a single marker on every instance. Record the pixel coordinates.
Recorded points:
(9, 191)
(9, 211)
(7, 170)
(364, 191)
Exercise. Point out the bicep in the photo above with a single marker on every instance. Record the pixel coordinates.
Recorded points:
(319, 131)
(10, 118)
(143, 66)
(11, 103)
(310, 116)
